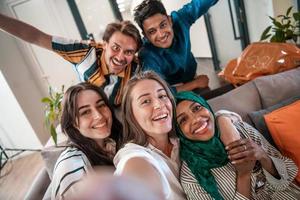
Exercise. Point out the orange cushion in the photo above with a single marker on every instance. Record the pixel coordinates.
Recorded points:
(284, 126)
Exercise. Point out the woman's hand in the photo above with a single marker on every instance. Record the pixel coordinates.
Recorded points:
(243, 154)
(244, 159)
(244, 150)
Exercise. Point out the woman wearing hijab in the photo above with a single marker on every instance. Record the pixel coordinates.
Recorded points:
(248, 168)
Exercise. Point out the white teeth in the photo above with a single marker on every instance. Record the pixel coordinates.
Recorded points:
(200, 128)
(116, 62)
(160, 117)
(100, 125)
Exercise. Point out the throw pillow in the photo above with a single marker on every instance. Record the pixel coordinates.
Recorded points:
(283, 124)
(257, 118)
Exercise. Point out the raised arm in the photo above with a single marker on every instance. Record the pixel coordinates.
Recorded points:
(141, 169)
(193, 10)
(25, 32)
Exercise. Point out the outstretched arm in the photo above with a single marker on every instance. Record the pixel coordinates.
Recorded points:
(142, 170)
(200, 81)
(25, 32)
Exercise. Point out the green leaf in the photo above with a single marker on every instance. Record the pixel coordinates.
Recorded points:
(279, 36)
(53, 134)
(265, 35)
(289, 10)
(273, 19)
(289, 34)
(277, 24)
(46, 100)
(296, 16)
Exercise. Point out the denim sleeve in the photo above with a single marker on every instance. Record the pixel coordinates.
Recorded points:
(193, 10)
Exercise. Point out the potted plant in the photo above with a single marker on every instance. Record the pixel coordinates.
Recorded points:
(53, 111)
(284, 28)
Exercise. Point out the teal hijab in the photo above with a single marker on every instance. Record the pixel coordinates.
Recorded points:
(202, 156)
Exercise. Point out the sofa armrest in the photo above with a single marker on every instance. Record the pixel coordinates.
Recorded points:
(39, 186)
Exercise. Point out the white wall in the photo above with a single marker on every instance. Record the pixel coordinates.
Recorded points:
(95, 15)
(280, 6)
(28, 69)
(14, 125)
(257, 12)
(227, 48)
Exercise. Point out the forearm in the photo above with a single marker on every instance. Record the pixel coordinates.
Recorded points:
(244, 184)
(268, 165)
(227, 129)
(199, 82)
(189, 86)
(25, 32)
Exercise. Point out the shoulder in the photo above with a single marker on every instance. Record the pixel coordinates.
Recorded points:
(70, 167)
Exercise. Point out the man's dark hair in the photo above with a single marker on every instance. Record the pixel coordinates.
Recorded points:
(147, 9)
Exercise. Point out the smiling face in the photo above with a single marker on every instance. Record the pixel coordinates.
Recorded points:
(195, 121)
(119, 52)
(94, 117)
(158, 30)
(152, 108)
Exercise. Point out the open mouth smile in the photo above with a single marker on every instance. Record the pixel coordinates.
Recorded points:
(118, 63)
(163, 39)
(161, 117)
(100, 125)
(201, 129)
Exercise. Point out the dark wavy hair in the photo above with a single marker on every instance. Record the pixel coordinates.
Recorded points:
(147, 9)
(126, 28)
(69, 119)
(132, 131)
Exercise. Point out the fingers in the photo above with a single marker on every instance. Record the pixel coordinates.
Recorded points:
(237, 143)
(239, 151)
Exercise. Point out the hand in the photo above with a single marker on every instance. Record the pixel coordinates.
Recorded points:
(201, 81)
(243, 154)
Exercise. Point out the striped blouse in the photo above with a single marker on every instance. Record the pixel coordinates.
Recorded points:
(264, 185)
(69, 169)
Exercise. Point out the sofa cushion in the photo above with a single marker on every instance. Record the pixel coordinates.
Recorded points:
(50, 156)
(257, 118)
(283, 124)
(241, 100)
(277, 87)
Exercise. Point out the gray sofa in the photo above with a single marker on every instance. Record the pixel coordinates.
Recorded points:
(256, 95)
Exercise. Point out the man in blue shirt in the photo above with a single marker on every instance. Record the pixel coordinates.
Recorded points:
(167, 45)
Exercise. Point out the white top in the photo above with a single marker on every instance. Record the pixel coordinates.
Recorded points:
(167, 168)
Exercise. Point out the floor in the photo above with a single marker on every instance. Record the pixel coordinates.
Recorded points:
(205, 66)
(17, 175)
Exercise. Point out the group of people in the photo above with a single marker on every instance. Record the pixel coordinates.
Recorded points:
(168, 137)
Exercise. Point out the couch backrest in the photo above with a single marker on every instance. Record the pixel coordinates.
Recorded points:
(278, 87)
(241, 100)
(259, 94)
